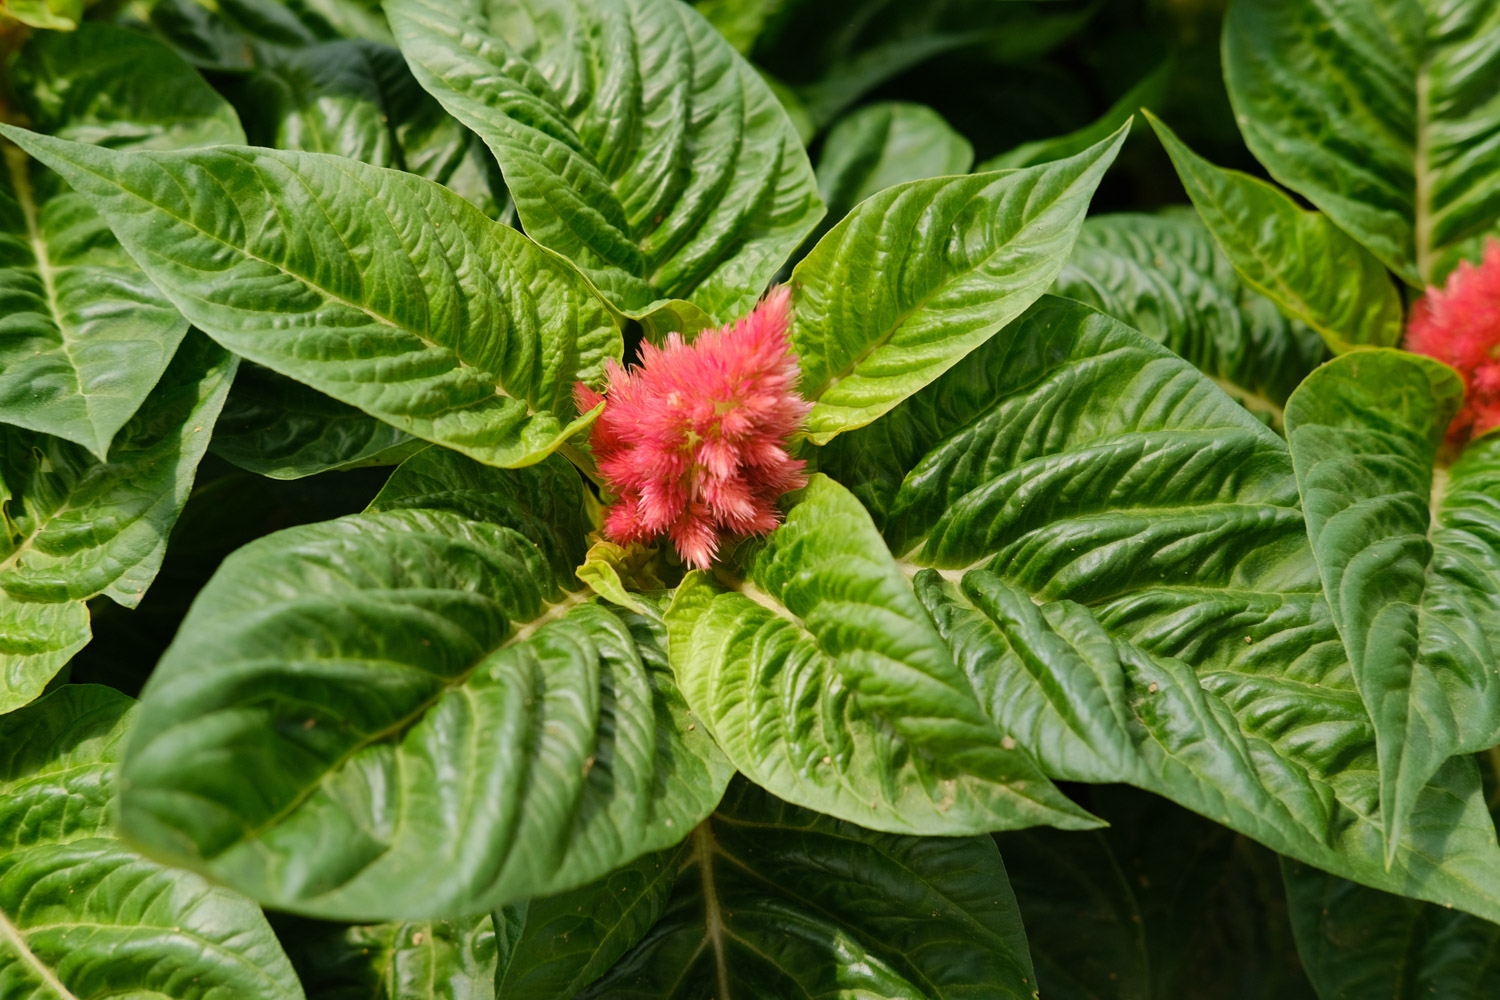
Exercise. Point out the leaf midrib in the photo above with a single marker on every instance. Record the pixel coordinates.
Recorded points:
(10, 932)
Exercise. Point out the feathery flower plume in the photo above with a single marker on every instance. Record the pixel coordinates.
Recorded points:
(693, 439)
(1459, 325)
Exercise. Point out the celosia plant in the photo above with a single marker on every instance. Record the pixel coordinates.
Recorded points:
(1459, 325)
(693, 440)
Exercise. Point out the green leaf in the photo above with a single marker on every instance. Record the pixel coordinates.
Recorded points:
(358, 99)
(741, 21)
(882, 145)
(75, 527)
(824, 681)
(410, 713)
(1383, 113)
(1151, 89)
(87, 336)
(59, 15)
(776, 901)
(661, 163)
(922, 273)
(1127, 582)
(1300, 260)
(1413, 595)
(283, 429)
(413, 960)
(1362, 944)
(572, 939)
(82, 916)
(381, 289)
(1164, 275)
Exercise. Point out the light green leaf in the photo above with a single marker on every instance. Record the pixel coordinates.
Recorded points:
(740, 21)
(59, 15)
(1164, 275)
(411, 713)
(776, 901)
(86, 335)
(1383, 113)
(412, 960)
(1300, 260)
(1148, 91)
(283, 429)
(358, 99)
(1359, 943)
(1415, 597)
(381, 289)
(82, 916)
(824, 681)
(572, 939)
(882, 145)
(75, 527)
(922, 273)
(1127, 582)
(661, 163)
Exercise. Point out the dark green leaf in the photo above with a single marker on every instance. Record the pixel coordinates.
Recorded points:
(410, 713)
(75, 527)
(1300, 260)
(1165, 276)
(82, 916)
(1383, 113)
(414, 960)
(823, 680)
(923, 273)
(1415, 597)
(1127, 581)
(660, 163)
(87, 336)
(776, 901)
(882, 145)
(381, 289)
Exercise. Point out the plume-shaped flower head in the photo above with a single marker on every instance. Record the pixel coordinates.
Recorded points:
(693, 439)
(1459, 324)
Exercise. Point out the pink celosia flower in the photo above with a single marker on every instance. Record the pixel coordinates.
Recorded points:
(693, 439)
(1459, 325)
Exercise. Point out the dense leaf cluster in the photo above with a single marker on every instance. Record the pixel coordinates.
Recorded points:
(1133, 549)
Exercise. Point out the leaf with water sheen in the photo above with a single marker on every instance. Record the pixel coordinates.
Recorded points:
(1383, 113)
(413, 713)
(381, 289)
(660, 163)
(777, 901)
(1164, 275)
(85, 334)
(922, 273)
(1127, 582)
(1414, 593)
(76, 527)
(1299, 259)
(83, 916)
(824, 681)
(409, 960)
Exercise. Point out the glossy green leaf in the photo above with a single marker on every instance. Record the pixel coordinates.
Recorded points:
(1164, 275)
(381, 289)
(1127, 582)
(358, 99)
(75, 527)
(86, 335)
(1148, 91)
(922, 273)
(1383, 113)
(286, 430)
(411, 713)
(740, 21)
(823, 681)
(82, 916)
(776, 901)
(572, 939)
(1415, 597)
(661, 163)
(882, 145)
(1299, 259)
(413, 960)
(1359, 943)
